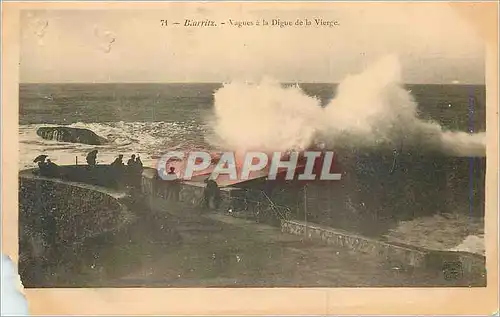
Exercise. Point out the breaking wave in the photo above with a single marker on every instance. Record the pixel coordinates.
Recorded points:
(149, 139)
(370, 110)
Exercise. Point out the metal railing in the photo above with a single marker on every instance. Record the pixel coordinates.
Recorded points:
(258, 204)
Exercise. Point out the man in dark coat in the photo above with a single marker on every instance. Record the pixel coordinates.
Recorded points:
(92, 158)
(211, 197)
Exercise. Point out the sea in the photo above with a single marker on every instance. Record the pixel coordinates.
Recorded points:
(151, 119)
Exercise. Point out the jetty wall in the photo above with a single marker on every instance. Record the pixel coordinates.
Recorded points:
(334, 215)
(55, 212)
(188, 192)
(398, 255)
(395, 254)
(98, 175)
(83, 203)
(379, 189)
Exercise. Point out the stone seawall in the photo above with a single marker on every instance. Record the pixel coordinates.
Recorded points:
(396, 254)
(190, 193)
(383, 189)
(399, 255)
(60, 213)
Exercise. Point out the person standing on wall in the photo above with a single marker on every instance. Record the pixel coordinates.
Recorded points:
(118, 168)
(211, 197)
(92, 158)
(130, 172)
(173, 185)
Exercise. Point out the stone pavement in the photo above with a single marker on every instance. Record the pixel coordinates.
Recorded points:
(182, 246)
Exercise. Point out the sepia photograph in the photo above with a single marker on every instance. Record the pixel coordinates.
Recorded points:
(253, 147)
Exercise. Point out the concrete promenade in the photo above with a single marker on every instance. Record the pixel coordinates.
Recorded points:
(183, 246)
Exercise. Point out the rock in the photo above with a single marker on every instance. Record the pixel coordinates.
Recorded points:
(73, 135)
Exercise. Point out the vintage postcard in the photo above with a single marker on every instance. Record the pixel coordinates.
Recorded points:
(251, 158)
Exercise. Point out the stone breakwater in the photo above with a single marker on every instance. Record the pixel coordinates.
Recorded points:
(190, 193)
(65, 214)
(77, 211)
(399, 255)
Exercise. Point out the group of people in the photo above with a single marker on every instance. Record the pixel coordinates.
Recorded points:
(128, 175)
(46, 166)
(134, 163)
(132, 171)
(131, 175)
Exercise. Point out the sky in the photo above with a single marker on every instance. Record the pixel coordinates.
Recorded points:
(434, 44)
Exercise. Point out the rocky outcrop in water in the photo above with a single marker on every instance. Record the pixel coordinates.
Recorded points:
(73, 135)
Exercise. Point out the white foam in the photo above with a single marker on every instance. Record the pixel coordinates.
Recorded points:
(472, 244)
(452, 232)
(370, 109)
(148, 139)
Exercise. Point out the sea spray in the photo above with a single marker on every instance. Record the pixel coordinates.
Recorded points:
(149, 139)
(265, 116)
(370, 110)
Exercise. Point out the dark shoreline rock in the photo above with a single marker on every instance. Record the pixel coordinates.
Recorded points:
(73, 135)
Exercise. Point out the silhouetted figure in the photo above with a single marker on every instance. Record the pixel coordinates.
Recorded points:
(42, 167)
(118, 169)
(138, 168)
(131, 161)
(138, 163)
(51, 168)
(46, 168)
(92, 158)
(211, 197)
(173, 185)
(134, 171)
(394, 161)
(118, 162)
(40, 160)
(130, 170)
